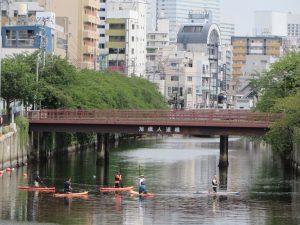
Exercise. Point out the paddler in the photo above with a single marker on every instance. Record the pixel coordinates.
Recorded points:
(142, 185)
(215, 183)
(118, 179)
(37, 181)
(67, 186)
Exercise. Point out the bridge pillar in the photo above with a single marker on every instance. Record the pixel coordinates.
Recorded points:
(223, 175)
(34, 152)
(223, 162)
(102, 149)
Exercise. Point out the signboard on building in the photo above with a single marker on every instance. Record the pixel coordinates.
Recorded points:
(46, 18)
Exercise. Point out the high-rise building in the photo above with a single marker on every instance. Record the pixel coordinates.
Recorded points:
(81, 25)
(293, 25)
(126, 36)
(270, 23)
(177, 12)
(227, 30)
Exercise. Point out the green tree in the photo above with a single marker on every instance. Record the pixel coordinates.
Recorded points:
(278, 91)
(18, 81)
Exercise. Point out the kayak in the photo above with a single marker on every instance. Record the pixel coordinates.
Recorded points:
(135, 193)
(236, 193)
(117, 189)
(45, 189)
(78, 194)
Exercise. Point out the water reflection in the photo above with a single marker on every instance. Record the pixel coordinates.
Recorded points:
(175, 168)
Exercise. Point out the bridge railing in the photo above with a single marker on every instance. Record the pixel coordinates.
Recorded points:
(180, 116)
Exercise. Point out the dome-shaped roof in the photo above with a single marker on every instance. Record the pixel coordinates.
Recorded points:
(196, 33)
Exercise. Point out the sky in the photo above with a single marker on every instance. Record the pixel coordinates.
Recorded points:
(242, 11)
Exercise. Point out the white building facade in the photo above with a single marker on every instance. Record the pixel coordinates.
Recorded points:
(125, 36)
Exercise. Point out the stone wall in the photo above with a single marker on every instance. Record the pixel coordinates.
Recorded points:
(11, 153)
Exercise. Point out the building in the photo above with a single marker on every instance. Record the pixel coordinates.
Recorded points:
(199, 78)
(245, 46)
(293, 25)
(227, 28)
(27, 28)
(156, 42)
(80, 25)
(270, 23)
(126, 37)
(177, 10)
(103, 52)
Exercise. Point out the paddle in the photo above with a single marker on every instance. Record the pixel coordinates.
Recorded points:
(121, 183)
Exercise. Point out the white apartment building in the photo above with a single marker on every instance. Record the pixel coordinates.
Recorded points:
(126, 36)
(156, 42)
(177, 12)
(293, 25)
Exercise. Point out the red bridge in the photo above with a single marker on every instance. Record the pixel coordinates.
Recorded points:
(189, 122)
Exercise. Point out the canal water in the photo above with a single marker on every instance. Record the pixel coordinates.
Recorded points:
(176, 169)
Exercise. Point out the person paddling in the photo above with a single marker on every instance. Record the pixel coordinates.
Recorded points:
(142, 185)
(118, 179)
(67, 186)
(215, 183)
(37, 181)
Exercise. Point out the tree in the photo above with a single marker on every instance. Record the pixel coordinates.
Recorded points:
(278, 91)
(18, 82)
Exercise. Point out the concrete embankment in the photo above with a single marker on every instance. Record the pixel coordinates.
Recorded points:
(11, 153)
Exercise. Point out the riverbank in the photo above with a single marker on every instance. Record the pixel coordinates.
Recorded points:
(11, 154)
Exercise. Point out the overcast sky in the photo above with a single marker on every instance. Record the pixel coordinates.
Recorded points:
(242, 11)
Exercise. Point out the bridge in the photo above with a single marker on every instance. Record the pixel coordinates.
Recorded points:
(187, 122)
(155, 122)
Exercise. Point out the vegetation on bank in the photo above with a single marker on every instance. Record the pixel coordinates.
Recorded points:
(60, 85)
(278, 90)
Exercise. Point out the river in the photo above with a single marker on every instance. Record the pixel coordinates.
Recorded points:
(176, 170)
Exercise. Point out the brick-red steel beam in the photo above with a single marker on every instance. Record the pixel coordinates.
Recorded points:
(131, 121)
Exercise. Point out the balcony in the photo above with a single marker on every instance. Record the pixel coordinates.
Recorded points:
(239, 44)
(115, 44)
(90, 50)
(115, 32)
(239, 65)
(273, 44)
(241, 51)
(242, 58)
(92, 4)
(273, 52)
(90, 34)
(91, 19)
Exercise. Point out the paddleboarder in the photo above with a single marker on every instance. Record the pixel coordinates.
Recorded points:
(118, 179)
(215, 183)
(67, 186)
(37, 181)
(142, 185)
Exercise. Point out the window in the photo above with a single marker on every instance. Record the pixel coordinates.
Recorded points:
(132, 38)
(189, 78)
(117, 26)
(132, 26)
(116, 38)
(189, 91)
(102, 35)
(174, 78)
(132, 51)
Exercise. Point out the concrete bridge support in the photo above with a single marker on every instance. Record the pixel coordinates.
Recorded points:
(223, 178)
(102, 149)
(223, 162)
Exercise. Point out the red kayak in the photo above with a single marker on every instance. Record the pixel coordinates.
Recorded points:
(44, 189)
(134, 193)
(117, 189)
(79, 194)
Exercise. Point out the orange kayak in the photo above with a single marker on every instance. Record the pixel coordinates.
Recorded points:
(134, 193)
(45, 189)
(116, 189)
(79, 194)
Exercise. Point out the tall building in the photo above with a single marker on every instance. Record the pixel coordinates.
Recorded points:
(227, 30)
(126, 36)
(245, 46)
(80, 24)
(270, 23)
(177, 12)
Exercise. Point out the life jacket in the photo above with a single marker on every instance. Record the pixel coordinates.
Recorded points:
(117, 179)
